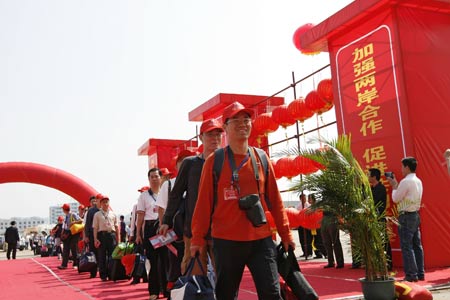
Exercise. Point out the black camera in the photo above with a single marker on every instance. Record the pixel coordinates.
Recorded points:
(253, 209)
(389, 175)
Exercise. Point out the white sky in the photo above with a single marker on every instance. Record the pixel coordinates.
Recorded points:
(83, 84)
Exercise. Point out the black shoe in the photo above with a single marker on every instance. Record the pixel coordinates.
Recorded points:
(421, 278)
(93, 275)
(317, 257)
(329, 266)
(340, 266)
(104, 279)
(62, 267)
(410, 279)
(355, 266)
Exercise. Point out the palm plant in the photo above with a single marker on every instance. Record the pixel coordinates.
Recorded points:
(343, 188)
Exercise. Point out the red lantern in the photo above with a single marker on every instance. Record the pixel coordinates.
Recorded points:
(325, 90)
(310, 219)
(292, 215)
(276, 169)
(315, 103)
(304, 218)
(305, 165)
(296, 39)
(264, 124)
(282, 116)
(299, 110)
(286, 167)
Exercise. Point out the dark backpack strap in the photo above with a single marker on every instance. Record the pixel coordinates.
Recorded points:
(169, 189)
(263, 158)
(219, 157)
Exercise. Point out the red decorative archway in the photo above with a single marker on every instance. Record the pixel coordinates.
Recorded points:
(47, 176)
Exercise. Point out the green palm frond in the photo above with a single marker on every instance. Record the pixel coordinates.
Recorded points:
(343, 189)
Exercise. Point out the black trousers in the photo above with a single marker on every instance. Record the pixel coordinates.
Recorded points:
(70, 246)
(259, 256)
(107, 244)
(157, 277)
(94, 250)
(12, 247)
(305, 238)
(332, 243)
(174, 270)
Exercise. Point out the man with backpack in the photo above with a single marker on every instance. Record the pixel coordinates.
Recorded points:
(231, 203)
(173, 260)
(187, 181)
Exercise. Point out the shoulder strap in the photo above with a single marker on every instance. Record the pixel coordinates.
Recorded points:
(169, 188)
(263, 158)
(265, 164)
(219, 157)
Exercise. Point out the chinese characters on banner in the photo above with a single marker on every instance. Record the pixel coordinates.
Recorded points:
(369, 101)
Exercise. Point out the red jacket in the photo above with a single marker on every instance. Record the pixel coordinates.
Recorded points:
(229, 222)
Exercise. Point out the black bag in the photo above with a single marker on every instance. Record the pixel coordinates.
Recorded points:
(65, 234)
(116, 270)
(87, 261)
(289, 270)
(139, 270)
(192, 287)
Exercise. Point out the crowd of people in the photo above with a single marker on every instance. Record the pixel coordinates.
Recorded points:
(215, 225)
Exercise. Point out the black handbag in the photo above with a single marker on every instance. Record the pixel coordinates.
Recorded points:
(65, 234)
(192, 287)
(87, 261)
(289, 270)
(139, 269)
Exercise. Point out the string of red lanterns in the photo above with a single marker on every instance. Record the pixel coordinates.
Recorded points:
(316, 102)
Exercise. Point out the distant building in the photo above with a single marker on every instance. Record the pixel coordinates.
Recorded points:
(21, 223)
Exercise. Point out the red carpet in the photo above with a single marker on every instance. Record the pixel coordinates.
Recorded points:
(39, 278)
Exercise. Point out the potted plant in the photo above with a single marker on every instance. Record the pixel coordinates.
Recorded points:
(343, 188)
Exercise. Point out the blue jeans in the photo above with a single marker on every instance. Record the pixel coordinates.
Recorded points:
(231, 257)
(411, 245)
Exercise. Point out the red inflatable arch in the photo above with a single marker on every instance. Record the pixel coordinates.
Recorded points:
(47, 176)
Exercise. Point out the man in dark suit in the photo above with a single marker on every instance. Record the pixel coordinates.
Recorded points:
(12, 237)
(379, 198)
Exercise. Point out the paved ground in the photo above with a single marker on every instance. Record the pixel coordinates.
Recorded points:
(439, 293)
(20, 254)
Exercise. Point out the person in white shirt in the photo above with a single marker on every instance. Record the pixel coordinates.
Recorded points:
(147, 216)
(408, 196)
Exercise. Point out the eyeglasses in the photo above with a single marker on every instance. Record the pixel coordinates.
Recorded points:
(213, 134)
(245, 121)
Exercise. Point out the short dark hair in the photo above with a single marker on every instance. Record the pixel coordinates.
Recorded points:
(374, 172)
(92, 198)
(13, 223)
(122, 217)
(410, 162)
(154, 170)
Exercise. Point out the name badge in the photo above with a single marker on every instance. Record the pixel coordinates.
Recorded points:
(230, 193)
